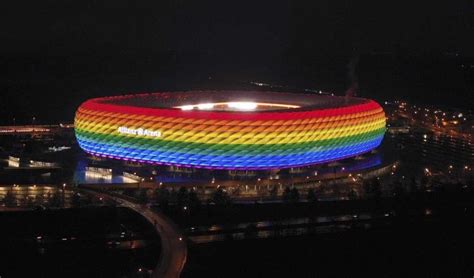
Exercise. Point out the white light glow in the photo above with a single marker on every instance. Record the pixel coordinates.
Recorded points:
(187, 107)
(205, 106)
(235, 105)
(242, 105)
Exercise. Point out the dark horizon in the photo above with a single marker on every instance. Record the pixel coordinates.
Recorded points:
(51, 90)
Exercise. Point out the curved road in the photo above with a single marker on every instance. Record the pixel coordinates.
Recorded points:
(173, 244)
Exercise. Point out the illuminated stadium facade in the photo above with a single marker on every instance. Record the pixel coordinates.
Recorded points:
(232, 130)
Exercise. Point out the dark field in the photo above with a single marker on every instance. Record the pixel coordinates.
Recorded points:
(424, 248)
(76, 243)
(425, 235)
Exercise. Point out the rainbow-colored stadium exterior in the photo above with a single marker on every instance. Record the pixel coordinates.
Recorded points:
(151, 128)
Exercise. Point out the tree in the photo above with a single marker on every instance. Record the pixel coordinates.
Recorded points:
(376, 189)
(398, 190)
(54, 200)
(220, 197)
(311, 195)
(129, 192)
(173, 198)
(182, 196)
(48, 197)
(294, 195)
(286, 194)
(76, 200)
(372, 189)
(250, 231)
(163, 197)
(236, 192)
(353, 194)
(39, 199)
(424, 183)
(193, 200)
(88, 200)
(413, 185)
(273, 192)
(10, 199)
(30, 202)
(142, 196)
(366, 188)
(155, 194)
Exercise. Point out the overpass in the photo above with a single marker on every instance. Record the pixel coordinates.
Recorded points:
(173, 245)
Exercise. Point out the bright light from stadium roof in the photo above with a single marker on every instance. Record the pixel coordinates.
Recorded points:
(235, 105)
(242, 105)
(205, 106)
(187, 107)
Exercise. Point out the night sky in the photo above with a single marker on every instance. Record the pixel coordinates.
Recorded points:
(69, 50)
(242, 27)
(258, 28)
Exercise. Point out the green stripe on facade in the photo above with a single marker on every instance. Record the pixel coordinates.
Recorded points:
(227, 149)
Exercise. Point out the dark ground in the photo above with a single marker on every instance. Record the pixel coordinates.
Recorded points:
(426, 236)
(411, 249)
(87, 255)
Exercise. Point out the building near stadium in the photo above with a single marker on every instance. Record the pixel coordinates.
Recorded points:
(233, 130)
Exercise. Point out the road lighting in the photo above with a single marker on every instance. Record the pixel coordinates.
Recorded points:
(427, 172)
(63, 195)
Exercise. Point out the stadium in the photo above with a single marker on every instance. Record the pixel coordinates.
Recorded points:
(231, 130)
